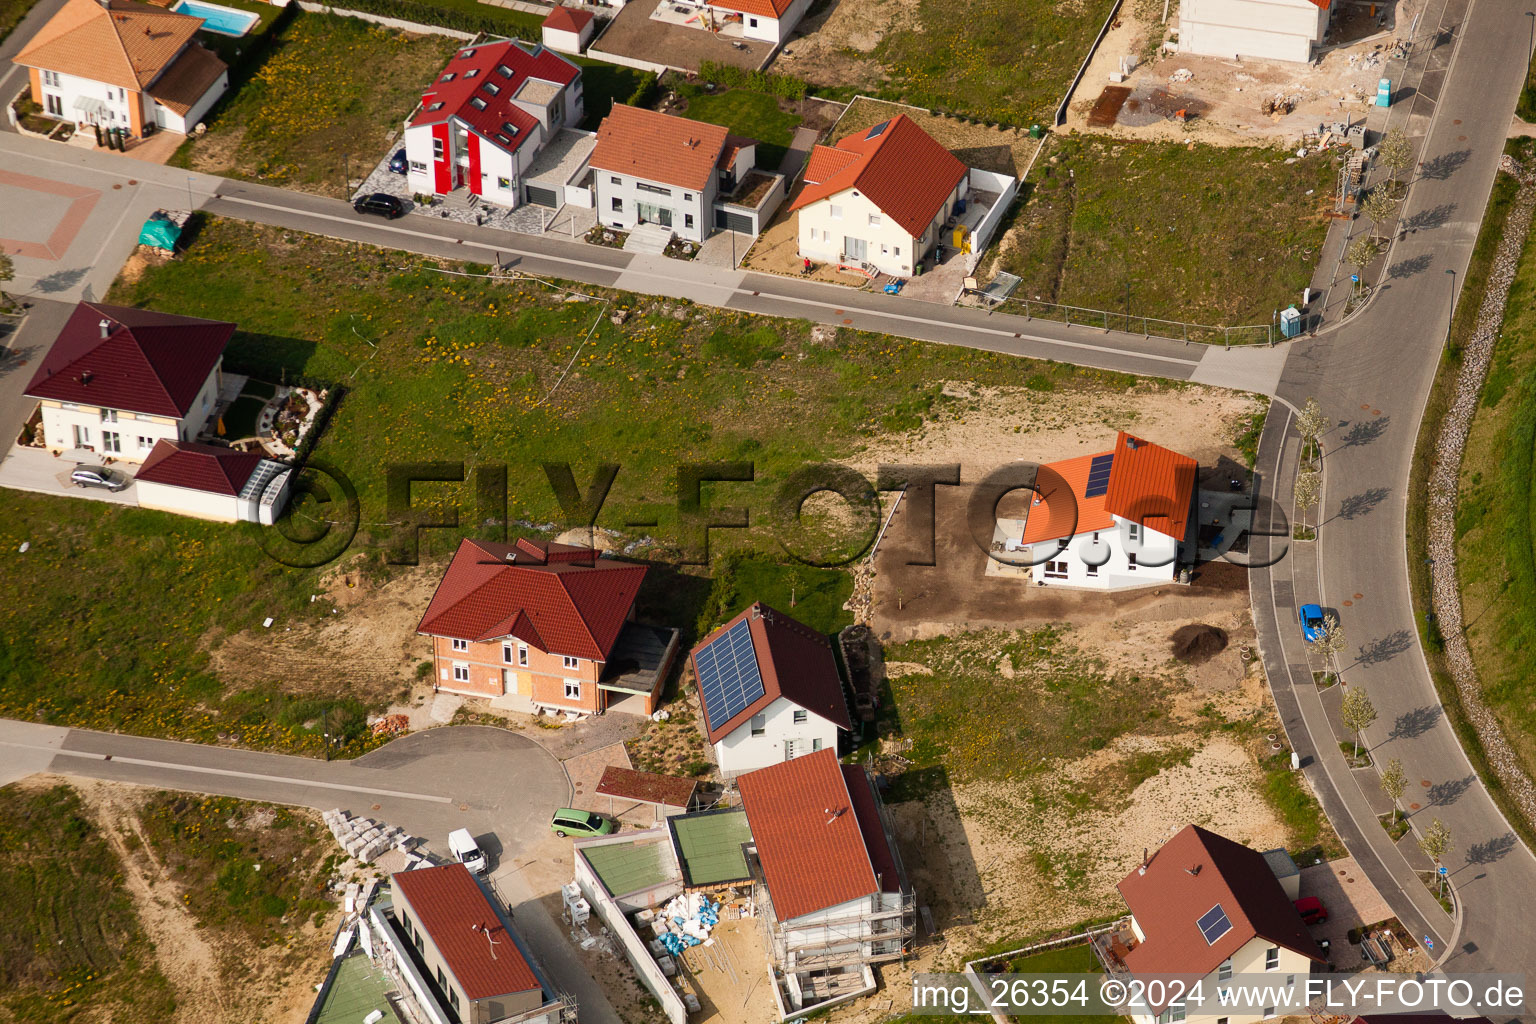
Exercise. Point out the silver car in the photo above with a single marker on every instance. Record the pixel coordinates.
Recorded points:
(97, 476)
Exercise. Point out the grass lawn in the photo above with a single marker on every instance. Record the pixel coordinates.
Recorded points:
(1003, 60)
(74, 948)
(753, 114)
(1494, 525)
(230, 48)
(316, 110)
(241, 416)
(603, 85)
(1208, 235)
(11, 13)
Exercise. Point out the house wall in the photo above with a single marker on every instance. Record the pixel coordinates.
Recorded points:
(223, 508)
(477, 1011)
(1273, 29)
(60, 419)
(773, 30)
(173, 122)
(626, 189)
(739, 751)
(435, 1014)
(1248, 960)
(890, 248)
(1156, 559)
(542, 679)
(65, 89)
(566, 42)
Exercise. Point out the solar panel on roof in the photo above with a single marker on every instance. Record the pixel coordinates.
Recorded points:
(728, 675)
(1098, 475)
(878, 130)
(1214, 924)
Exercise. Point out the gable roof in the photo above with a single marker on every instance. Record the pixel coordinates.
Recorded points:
(1191, 874)
(148, 362)
(450, 906)
(126, 43)
(201, 467)
(648, 787)
(658, 147)
(761, 8)
(561, 599)
(188, 78)
(568, 19)
(478, 86)
(895, 164)
(794, 661)
(1147, 484)
(806, 826)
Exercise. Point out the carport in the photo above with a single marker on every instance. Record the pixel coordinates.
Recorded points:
(665, 795)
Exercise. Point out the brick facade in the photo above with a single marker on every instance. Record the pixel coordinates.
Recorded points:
(495, 668)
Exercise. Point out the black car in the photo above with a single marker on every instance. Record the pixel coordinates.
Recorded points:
(381, 203)
(397, 162)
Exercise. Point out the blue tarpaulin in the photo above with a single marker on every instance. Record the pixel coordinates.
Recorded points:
(160, 232)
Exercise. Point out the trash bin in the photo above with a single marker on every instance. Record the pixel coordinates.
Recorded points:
(1035, 131)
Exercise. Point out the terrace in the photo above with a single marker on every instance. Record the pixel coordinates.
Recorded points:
(643, 31)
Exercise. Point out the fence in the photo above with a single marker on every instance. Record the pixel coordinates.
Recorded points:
(973, 976)
(395, 23)
(1146, 326)
(612, 915)
(1007, 187)
(1061, 110)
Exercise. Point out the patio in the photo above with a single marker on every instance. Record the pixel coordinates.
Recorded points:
(641, 33)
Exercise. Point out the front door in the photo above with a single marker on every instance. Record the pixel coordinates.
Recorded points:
(855, 248)
(82, 436)
(508, 681)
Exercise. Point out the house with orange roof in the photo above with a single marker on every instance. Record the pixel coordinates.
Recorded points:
(1107, 521)
(1270, 29)
(769, 20)
(539, 626)
(123, 64)
(653, 168)
(879, 198)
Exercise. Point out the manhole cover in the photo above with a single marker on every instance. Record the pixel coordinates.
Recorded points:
(847, 321)
(375, 807)
(1349, 604)
(1359, 596)
(1424, 783)
(463, 807)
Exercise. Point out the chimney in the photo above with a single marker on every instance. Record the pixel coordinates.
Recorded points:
(1193, 871)
(106, 328)
(85, 377)
(1143, 869)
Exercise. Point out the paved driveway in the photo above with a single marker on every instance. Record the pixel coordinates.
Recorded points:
(34, 469)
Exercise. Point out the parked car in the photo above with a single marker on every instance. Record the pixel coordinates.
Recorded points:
(97, 476)
(570, 822)
(467, 850)
(397, 162)
(1311, 622)
(381, 203)
(1312, 910)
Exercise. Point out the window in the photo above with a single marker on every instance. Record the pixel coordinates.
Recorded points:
(504, 71)
(461, 673)
(752, 22)
(1223, 1020)
(417, 165)
(146, 442)
(687, 197)
(573, 689)
(569, 662)
(834, 211)
(1130, 561)
(460, 645)
(1133, 531)
(800, 716)
(504, 183)
(420, 946)
(491, 88)
(896, 250)
(453, 999)
(405, 922)
(506, 653)
(874, 220)
(618, 204)
(109, 415)
(437, 149)
(522, 655)
(615, 181)
(687, 220)
(478, 102)
(816, 744)
(111, 441)
(51, 78)
(1224, 972)
(55, 104)
(1272, 958)
(1093, 570)
(759, 725)
(1056, 570)
(442, 982)
(643, 187)
(464, 55)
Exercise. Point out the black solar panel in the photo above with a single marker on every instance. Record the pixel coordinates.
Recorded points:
(1098, 475)
(878, 130)
(728, 674)
(1214, 924)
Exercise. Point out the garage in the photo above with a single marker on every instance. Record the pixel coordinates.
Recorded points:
(541, 195)
(735, 222)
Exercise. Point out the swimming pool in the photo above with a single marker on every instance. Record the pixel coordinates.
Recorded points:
(226, 21)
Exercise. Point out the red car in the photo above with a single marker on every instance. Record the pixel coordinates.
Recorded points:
(1312, 910)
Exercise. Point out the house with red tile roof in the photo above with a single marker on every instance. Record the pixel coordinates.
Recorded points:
(123, 64)
(1270, 29)
(539, 626)
(1204, 906)
(116, 380)
(769, 20)
(567, 29)
(879, 198)
(1107, 521)
(831, 885)
(485, 118)
(769, 689)
(212, 482)
(653, 168)
(458, 953)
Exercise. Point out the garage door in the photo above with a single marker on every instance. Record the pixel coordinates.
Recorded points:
(538, 195)
(733, 221)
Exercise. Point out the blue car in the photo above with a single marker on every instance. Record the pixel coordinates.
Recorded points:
(1311, 622)
(397, 162)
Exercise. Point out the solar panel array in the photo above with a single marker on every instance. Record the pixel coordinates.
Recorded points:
(1098, 475)
(728, 675)
(878, 130)
(1214, 924)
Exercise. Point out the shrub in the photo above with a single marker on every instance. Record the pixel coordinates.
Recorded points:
(783, 86)
(645, 93)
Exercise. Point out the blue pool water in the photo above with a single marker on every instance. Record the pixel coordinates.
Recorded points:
(226, 21)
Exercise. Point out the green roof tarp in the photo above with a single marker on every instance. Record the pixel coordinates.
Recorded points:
(160, 233)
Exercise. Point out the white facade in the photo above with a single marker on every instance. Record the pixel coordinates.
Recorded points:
(88, 102)
(263, 507)
(1254, 957)
(781, 732)
(1271, 29)
(171, 121)
(566, 41)
(118, 434)
(773, 30)
(849, 228)
(866, 929)
(624, 201)
(1127, 555)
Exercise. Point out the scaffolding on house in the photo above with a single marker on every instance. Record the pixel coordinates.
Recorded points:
(880, 934)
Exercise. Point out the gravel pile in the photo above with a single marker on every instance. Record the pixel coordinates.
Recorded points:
(1443, 492)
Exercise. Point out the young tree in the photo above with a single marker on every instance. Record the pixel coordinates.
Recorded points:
(1394, 783)
(795, 580)
(7, 273)
(1330, 637)
(1358, 712)
(1308, 491)
(1395, 153)
(1362, 252)
(1311, 424)
(1437, 842)
(1379, 206)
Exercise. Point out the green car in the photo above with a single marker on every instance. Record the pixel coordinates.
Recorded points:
(570, 822)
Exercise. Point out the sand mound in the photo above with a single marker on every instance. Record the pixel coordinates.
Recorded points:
(1198, 643)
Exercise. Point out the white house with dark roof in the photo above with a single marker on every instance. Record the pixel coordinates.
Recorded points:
(212, 482)
(770, 691)
(1272, 29)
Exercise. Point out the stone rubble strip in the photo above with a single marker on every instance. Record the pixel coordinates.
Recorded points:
(1444, 490)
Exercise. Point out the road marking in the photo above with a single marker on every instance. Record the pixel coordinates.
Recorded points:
(228, 772)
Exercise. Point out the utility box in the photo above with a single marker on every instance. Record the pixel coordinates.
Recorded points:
(1290, 322)
(1384, 92)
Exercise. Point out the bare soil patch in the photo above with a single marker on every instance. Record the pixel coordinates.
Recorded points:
(1198, 643)
(835, 46)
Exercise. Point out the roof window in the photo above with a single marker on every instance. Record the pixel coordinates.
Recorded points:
(472, 72)
(477, 102)
(466, 54)
(878, 130)
(436, 106)
(450, 76)
(491, 88)
(503, 71)
(509, 127)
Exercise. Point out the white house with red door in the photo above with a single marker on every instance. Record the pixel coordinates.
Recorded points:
(1272, 29)
(483, 121)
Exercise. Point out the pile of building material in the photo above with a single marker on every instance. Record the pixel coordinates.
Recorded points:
(686, 921)
(365, 839)
(1181, 75)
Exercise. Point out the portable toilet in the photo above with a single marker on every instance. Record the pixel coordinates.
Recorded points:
(1290, 322)
(1384, 92)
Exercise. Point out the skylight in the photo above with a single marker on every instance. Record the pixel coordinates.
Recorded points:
(477, 102)
(471, 73)
(1214, 924)
(509, 128)
(491, 87)
(878, 130)
(503, 71)
(466, 54)
(450, 76)
(436, 106)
